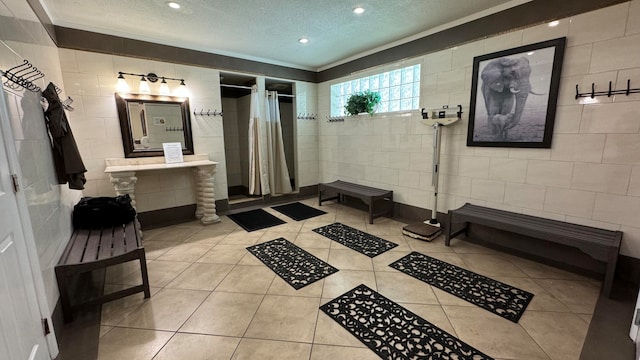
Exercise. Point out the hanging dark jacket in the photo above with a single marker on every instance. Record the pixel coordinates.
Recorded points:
(66, 157)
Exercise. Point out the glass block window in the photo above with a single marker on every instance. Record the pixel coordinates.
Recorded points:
(399, 90)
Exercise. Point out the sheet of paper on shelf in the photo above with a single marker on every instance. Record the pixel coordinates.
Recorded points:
(172, 152)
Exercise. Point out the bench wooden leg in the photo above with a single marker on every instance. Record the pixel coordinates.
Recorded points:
(609, 275)
(145, 274)
(447, 236)
(63, 288)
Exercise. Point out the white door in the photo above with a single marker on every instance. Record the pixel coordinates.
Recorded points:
(21, 329)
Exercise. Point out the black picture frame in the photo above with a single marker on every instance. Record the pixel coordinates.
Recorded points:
(514, 95)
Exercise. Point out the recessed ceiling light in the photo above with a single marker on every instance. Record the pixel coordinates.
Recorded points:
(173, 5)
(303, 40)
(554, 23)
(358, 10)
(531, 53)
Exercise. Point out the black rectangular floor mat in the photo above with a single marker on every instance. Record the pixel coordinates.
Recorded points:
(393, 332)
(355, 239)
(298, 211)
(293, 264)
(492, 295)
(255, 220)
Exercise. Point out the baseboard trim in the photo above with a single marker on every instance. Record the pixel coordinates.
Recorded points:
(164, 217)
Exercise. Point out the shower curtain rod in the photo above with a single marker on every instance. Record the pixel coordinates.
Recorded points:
(249, 88)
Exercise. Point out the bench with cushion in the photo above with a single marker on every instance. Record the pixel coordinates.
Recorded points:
(602, 245)
(371, 196)
(91, 249)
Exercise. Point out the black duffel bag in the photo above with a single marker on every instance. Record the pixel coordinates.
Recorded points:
(100, 212)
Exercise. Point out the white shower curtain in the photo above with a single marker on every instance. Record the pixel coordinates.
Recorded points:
(258, 174)
(277, 164)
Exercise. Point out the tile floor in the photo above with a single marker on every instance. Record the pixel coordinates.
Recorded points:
(212, 299)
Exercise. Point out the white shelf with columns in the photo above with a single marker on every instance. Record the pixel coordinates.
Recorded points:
(122, 173)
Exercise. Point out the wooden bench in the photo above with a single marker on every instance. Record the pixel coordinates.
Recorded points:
(99, 248)
(369, 195)
(602, 245)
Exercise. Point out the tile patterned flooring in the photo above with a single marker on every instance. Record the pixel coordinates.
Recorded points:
(212, 299)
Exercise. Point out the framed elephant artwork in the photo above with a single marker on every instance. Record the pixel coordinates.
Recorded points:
(514, 94)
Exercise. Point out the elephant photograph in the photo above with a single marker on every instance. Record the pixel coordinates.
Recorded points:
(514, 95)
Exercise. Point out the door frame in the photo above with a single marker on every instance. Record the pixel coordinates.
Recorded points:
(7, 141)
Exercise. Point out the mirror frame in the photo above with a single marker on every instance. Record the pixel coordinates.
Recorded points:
(122, 101)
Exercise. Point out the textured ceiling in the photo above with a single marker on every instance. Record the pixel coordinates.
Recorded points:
(268, 30)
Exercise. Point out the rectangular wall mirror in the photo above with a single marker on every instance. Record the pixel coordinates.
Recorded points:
(147, 121)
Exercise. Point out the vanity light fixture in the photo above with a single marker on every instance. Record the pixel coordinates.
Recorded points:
(145, 88)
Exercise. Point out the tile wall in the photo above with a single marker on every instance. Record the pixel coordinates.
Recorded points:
(49, 204)
(91, 79)
(591, 173)
(232, 142)
(306, 141)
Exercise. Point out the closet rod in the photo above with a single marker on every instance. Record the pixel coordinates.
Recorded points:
(249, 88)
(236, 86)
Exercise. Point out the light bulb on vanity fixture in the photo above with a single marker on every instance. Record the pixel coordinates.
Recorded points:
(146, 88)
(181, 91)
(164, 88)
(122, 85)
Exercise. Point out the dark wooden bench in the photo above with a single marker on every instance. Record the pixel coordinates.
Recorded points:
(369, 195)
(602, 245)
(99, 248)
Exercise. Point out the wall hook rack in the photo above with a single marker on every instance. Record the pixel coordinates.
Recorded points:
(208, 112)
(302, 116)
(335, 118)
(66, 104)
(609, 92)
(22, 75)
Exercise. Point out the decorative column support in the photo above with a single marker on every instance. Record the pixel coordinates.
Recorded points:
(125, 183)
(205, 201)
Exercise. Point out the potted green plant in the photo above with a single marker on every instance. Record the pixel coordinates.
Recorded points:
(362, 102)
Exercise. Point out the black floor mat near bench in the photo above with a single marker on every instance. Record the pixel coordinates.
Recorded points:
(293, 264)
(393, 332)
(253, 220)
(355, 239)
(492, 295)
(298, 211)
